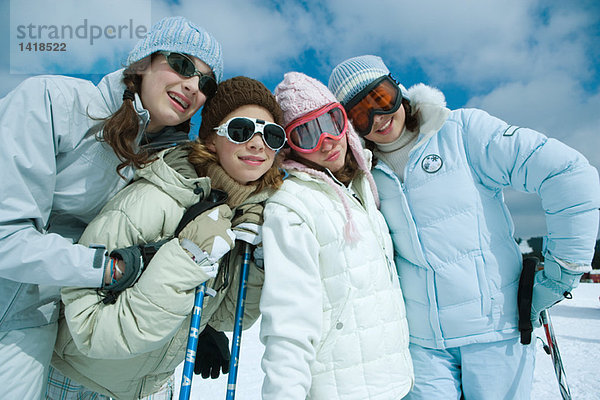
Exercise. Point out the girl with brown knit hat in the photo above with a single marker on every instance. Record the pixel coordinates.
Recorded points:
(127, 345)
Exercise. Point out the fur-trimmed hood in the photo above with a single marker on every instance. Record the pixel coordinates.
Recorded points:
(431, 105)
(423, 94)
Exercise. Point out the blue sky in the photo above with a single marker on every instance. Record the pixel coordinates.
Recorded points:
(532, 63)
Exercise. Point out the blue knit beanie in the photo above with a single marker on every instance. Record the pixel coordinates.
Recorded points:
(351, 76)
(178, 34)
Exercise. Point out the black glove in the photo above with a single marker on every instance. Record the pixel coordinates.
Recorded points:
(212, 353)
(136, 258)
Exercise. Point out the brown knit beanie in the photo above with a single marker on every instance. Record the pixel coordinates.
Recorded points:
(232, 94)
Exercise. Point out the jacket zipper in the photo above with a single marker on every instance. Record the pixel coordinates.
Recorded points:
(352, 194)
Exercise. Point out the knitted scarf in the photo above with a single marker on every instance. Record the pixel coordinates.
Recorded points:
(236, 191)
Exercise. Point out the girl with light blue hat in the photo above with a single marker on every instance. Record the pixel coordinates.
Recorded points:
(67, 146)
(440, 174)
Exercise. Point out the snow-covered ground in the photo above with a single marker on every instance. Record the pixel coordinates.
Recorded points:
(576, 325)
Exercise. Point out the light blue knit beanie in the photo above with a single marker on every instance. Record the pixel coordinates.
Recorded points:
(178, 34)
(353, 75)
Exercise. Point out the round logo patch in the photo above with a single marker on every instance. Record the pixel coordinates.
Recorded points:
(432, 163)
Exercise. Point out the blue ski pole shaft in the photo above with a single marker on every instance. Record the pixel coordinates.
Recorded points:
(190, 353)
(559, 370)
(237, 329)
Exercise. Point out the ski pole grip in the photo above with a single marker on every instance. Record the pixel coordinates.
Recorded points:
(524, 297)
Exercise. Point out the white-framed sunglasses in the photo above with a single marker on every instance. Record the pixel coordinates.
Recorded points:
(241, 129)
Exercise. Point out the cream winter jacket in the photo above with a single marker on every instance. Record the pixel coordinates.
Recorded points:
(129, 349)
(333, 318)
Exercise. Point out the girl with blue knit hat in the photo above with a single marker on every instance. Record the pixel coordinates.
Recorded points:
(333, 319)
(440, 174)
(67, 147)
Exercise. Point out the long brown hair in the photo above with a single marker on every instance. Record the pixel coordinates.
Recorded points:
(121, 129)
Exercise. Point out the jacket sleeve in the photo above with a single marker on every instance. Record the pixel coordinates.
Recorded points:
(148, 314)
(503, 155)
(34, 126)
(144, 317)
(291, 304)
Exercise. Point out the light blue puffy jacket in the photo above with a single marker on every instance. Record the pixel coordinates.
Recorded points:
(458, 262)
(55, 177)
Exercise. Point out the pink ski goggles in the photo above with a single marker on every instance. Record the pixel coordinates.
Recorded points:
(307, 133)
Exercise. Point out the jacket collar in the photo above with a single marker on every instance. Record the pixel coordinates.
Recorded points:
(111, 89)
(180, 184)
(383, 167)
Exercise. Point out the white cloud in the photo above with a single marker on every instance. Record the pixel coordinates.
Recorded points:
(466, 42)
(474, 44)
(257, 40)
(527, 213)
(9, 81)
(556, 105)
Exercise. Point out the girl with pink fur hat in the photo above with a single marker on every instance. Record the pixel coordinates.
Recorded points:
(333, 318)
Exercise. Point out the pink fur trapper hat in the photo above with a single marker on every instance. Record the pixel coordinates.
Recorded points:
(299, 94)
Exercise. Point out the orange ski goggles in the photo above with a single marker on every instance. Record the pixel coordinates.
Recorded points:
(382, 96)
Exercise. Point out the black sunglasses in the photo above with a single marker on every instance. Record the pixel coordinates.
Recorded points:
(184, 66)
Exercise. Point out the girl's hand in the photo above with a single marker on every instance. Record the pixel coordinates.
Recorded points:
(210, 232)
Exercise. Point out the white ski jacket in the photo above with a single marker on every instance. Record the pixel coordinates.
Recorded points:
(333, 317)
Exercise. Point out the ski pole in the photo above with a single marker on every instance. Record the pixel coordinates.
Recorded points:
(214, 198)
(192, 344)
(552, 349)
(237, 329)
